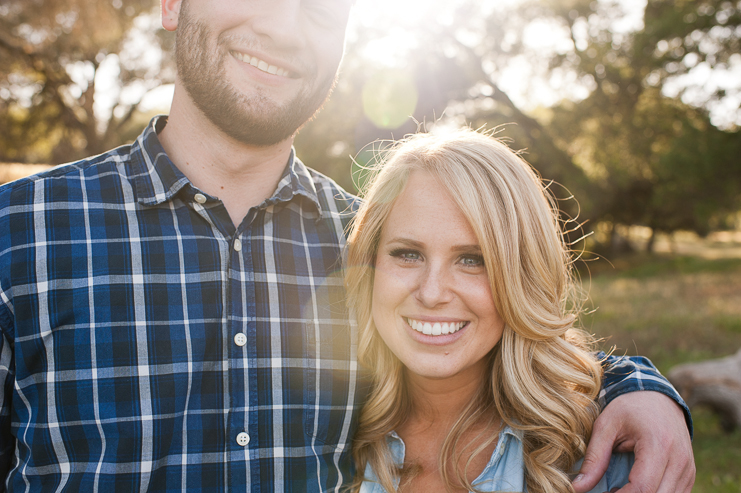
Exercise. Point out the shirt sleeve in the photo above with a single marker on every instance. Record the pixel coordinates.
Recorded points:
(625, 374)
(7, 377)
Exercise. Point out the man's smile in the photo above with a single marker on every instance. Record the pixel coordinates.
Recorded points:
(261, 64)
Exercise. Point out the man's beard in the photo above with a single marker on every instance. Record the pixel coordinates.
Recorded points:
(255, 120)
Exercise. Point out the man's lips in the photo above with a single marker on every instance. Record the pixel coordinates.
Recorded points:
(262, 65)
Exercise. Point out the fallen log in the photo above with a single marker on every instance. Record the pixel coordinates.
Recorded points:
(713, 383)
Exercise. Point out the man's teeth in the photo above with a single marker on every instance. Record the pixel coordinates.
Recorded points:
(260, 64)
(435, 329)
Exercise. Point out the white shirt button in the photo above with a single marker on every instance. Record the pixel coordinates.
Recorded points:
(240, 339)
(200, 198)
(243, 439)
(238, 245)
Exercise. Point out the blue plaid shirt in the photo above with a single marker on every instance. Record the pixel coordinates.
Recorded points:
(149, 345)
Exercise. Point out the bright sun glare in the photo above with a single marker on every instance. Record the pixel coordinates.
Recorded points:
(401, 20)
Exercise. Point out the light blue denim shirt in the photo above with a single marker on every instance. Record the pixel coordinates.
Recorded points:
(505, 471)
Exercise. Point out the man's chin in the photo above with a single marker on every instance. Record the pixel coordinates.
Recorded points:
(263, 123)
(255, 135)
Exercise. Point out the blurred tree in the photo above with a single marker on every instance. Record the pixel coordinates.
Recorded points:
(52, 54)
(698, 179)
(454, 63)
(631, 148)
(653, 160)
(696, 45)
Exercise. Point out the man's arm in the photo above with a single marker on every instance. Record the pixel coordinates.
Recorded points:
(656, 425)
(7, 441)
(625, 374)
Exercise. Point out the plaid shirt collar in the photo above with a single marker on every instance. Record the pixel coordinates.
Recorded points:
(157, 179)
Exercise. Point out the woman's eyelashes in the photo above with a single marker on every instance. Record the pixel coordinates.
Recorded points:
(406, 255)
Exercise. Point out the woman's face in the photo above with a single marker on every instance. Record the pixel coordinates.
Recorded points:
(432, 303)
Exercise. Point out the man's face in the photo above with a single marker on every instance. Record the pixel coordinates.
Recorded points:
(260, 69)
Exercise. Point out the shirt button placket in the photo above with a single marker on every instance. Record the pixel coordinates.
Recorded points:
(241, 300)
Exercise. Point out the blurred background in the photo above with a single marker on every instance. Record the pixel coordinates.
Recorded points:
(631, 106)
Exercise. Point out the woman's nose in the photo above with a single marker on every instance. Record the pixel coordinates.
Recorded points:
(434, 287)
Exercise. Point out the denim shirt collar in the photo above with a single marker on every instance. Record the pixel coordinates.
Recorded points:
(502, 470)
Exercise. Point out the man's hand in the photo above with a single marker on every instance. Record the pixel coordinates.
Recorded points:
(650, 425)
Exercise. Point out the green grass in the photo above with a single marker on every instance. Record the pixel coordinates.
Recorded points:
(675, 310)
(717, 455)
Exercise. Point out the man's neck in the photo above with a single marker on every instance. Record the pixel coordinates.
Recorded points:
(242, 176)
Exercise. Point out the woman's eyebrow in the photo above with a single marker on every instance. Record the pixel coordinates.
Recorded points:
(475, 248)
(406, 241)
(463, 248)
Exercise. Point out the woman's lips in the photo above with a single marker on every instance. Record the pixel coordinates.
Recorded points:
(435, 328)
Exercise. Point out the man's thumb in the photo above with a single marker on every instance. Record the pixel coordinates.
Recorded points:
(596, 460)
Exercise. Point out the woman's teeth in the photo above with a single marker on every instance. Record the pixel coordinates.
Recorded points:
(435, 329)
(260, 64)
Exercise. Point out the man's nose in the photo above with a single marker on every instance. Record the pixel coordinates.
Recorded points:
(434, 287)
(279, 20)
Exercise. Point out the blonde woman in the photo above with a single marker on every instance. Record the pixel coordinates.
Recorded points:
(460, 281)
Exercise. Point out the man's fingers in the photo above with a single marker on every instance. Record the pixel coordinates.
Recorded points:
(679, 475)
(597, 458)
(688, 479)
(657, 434)
(647, 473)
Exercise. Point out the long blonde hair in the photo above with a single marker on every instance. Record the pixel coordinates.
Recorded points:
(543, 380)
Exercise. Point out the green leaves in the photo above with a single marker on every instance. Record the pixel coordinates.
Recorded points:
(52, 53)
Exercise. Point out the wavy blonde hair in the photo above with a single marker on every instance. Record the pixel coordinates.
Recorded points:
(543, 380)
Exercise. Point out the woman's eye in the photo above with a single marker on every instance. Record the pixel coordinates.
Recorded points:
(406, 255)
(472, 260)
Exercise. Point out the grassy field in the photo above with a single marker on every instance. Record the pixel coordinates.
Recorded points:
(675, 309)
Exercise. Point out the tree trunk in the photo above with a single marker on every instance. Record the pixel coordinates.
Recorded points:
(713, 383)
(651, 242)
